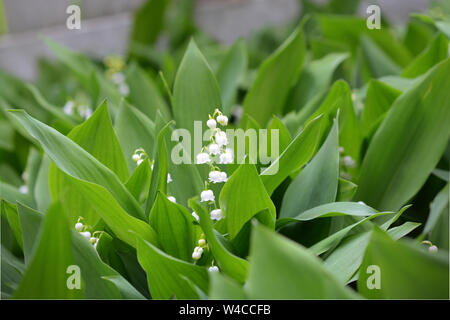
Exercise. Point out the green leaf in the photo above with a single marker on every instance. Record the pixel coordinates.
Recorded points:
(252, 199)
(224, 288)
(408, 144)
(165, 274)
(231, 70)
(44, 280)
(406, 271)
(230, 264)
(283, 134)
(296, 154)
(175, 228)
(148, 23)
(378, 62)
(437, 223)
(379, 99)
(134, 130)
(436, 51)
(332, 241)
(275, 77)
(10, 212)
(124, 226)
(282, 269)
(91, 267)
(126, 290)
(196, 92)
(139, 182)
(144, 93)
(313, 83)
(78, 163)
(317, 183)
(13, 195)
(96, 136)
(158, 181)
(346, 190)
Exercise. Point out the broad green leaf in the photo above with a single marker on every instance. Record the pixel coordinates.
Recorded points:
(313, 83)
(147, 24)
(13, 195)
(144, 94)
(437, 223)
(405, 270)
(283, 134)
(408, 144)
(196, 92)
(134, 130)
(223, 288)
(330, 210)
(339, 99)
(282, 269)
(332, 241)
(158, 181)
(12, 272)
(41, 188)
(44, 280)
(230, 71)
(275, 77)
(296, 154)
(139, 182)
(317, 183)
(30, 222)
(378, 62)
(346, 259)
(78, 163)
(436, 51)
(243, 196)
(96, 136)
(126, 290)
(165, 274)
(228, 263)
(175, 227)
(91, 267)
(124, 226)
(379, 99)
(346, 190)
(10, 212)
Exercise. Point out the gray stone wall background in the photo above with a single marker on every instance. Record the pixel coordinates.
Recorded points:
(106, 24)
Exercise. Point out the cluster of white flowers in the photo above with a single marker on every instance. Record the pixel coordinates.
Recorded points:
(82, 229)
(346, 160)
(119, 79)
(215, 152)
(198, 251)
(84, 111)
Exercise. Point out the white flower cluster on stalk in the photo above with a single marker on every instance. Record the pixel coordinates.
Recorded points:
(83, 230)
(114, 71)
(215, 152)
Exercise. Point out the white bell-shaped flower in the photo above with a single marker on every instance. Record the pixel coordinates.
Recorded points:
(195, 216)
(433, 248)
(136, 157)
(86, 234)
(348, 162)
(207, 195)
(172, 199)
(221, 138)
(78, 226)
(169, 178)
(223, 120)
(226, 157)
(139, 161)
(214, 148)
(214, 176)
(211, 123)
(213, 269)
(201, 242)
(216, 214)
(203, 158)
(197, 254)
